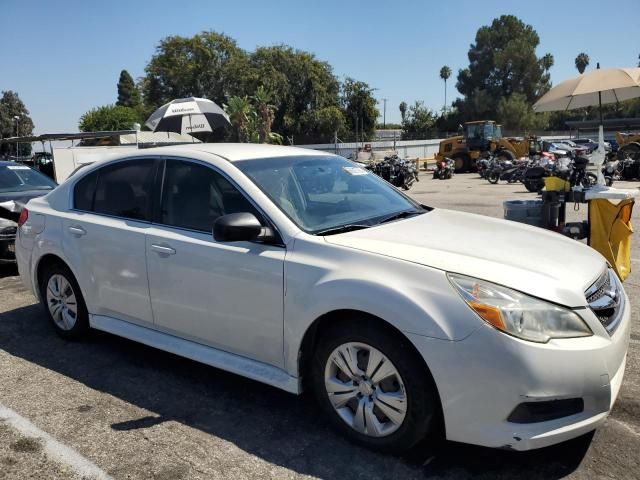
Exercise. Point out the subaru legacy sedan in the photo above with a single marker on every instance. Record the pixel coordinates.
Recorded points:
(302, 270)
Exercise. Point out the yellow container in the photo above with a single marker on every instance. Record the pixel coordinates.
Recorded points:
(555, 184)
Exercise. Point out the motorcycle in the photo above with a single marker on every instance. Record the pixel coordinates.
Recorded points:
(507, 171)
(483, 164)
(444, 169)
(399, 172)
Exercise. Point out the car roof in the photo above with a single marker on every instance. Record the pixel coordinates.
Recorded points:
(234, 152)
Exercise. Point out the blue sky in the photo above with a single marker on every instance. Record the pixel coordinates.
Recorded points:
(64, 57)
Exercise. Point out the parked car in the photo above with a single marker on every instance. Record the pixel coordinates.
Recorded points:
(591, 145)
(384, 308)
(587, 143)
(18, 184)
(555, 149)
(613, 143)
(572, 147)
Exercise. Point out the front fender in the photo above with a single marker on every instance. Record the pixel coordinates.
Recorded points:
(413, 298)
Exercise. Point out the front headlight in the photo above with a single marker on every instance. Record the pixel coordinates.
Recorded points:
(518, 314)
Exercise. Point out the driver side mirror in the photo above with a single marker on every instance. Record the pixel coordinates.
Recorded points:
(240, 227)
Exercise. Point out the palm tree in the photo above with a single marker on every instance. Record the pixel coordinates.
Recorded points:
(403, 111)
(445, 73)
(547, 62)
(582, 62)
(240, 112)
(265, 113)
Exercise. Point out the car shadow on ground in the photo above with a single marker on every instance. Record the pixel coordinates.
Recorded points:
(280, 428)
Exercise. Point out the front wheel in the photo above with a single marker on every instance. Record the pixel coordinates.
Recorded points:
(373, 387)
(493, 177)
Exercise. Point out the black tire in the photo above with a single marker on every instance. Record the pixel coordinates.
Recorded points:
(462, 163)
(493, 177)
(81, 325)
(505, 155)
(534, 185)
(423, 405)
(608, 181)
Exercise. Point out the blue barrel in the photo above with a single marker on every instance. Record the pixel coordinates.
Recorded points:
(524, 211)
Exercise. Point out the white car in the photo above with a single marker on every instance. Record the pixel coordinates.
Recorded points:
(302, 269)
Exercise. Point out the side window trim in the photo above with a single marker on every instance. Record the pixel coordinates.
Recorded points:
(156, 219)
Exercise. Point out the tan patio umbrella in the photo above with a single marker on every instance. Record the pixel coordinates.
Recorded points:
(597, 87)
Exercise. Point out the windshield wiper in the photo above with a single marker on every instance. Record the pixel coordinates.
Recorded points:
(403, 214)
(350, 227)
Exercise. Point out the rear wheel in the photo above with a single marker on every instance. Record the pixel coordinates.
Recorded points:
(373, 388)
(63, 302)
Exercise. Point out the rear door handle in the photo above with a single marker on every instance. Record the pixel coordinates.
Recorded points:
(77, 231)
(162, 249)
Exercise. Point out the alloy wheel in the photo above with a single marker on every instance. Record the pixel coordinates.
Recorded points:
(61, 301)
(365, 389)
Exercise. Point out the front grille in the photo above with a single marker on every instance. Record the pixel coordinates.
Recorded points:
(606, 299)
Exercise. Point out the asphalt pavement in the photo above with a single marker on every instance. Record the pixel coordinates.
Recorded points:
(134, 412)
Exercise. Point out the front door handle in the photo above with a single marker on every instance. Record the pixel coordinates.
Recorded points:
(162, 249)
(77, 231)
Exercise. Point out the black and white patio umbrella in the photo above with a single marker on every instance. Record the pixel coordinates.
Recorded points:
(187, 116)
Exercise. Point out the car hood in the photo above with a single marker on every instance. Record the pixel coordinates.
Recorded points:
(538, 262)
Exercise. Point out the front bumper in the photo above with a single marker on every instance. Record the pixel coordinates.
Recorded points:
(484, 377)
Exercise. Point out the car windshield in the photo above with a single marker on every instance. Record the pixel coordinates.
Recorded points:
(20, 178)
(327, 193)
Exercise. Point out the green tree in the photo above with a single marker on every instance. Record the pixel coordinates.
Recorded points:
(445, 73)
(242, 117)
(209, 65)
(326, 122)
(108, 117)
(582, 62)
(502, 61)
(128, 94)
(547, 62)
(264, 109)
(515, 113)
(420, 122)
(299, 84)
(12, 106)
(359, 107)
(403, 111)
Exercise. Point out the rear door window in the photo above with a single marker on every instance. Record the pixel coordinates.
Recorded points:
(125, 189)
(84, 191)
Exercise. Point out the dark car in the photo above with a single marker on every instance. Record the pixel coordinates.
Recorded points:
(587, 143)
(18, 185)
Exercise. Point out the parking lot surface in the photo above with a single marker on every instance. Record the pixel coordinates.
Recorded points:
(138, 413)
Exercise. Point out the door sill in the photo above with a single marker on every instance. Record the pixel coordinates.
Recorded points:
(200, 353)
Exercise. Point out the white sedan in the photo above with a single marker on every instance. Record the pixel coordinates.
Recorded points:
(302, 270)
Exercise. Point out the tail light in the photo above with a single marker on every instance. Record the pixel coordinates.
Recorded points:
(24, 215)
